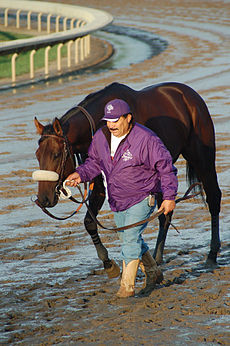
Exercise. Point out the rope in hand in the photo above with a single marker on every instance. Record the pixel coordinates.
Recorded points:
(85, 201)
(154, 216)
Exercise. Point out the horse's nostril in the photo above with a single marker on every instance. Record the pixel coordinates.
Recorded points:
(47, 203)
(44, 201)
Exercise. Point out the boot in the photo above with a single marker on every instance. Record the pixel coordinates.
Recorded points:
(153, 274)
(128, 278)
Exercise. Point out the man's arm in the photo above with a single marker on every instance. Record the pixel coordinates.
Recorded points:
(168, 175)
(89, 169)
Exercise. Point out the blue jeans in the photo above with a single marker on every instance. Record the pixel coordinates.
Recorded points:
(132, 243)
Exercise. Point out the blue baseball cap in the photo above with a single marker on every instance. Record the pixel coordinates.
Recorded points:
(114, 109)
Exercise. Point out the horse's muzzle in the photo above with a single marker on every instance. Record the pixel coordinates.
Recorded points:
(44, 200)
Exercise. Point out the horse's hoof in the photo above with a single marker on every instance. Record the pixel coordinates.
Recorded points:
(113, 271)
(211, 260)
(211, 263)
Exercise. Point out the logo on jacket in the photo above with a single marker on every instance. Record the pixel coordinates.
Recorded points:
(127, 155)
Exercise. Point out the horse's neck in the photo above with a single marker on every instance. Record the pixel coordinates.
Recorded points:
(79, 133)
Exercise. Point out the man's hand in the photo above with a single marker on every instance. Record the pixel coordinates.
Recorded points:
(74, 179)
(167, 206)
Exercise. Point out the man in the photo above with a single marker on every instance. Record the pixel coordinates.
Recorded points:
(136, 165)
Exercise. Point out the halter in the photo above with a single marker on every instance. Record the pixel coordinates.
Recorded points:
(67, 151)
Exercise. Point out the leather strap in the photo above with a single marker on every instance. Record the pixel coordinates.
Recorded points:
(186, 196)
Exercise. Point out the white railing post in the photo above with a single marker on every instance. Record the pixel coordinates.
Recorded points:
(65, 23)
(69, 46)
(6, 17)
(48, 23)
(13, 67)
(76, 50)
(29, 20)
(89, 44)
(39, 22)
(82, 48)
(82, 43)
(47, 60)
(86, 45)
(59, 56)
(72, 23)
(32, 53)
(79, 23)
(18, 18)
(57, 23)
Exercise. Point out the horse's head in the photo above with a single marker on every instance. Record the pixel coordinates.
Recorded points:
(54, 154)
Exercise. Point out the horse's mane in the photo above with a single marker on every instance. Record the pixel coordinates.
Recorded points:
(71, 112)
(89, 98)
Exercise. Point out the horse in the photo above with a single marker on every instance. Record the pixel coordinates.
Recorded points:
(174, 111)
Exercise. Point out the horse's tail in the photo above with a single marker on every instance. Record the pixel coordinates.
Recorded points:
(192, 178)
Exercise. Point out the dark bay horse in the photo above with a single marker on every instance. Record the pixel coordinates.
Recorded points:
(174, 111)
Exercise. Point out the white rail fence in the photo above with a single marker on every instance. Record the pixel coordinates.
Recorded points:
(72, 26)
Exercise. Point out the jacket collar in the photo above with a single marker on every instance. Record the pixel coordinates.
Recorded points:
(107, 134)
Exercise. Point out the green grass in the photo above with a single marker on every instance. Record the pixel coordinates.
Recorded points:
(23, 59)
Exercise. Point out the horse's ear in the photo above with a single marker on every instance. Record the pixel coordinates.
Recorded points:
(39, 126)
(57, 127)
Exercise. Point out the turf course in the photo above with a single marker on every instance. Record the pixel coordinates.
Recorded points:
(23, 59)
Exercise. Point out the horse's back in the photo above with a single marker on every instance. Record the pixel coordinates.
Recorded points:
(173, 111)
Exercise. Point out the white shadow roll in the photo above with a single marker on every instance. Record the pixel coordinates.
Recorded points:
(43, 175)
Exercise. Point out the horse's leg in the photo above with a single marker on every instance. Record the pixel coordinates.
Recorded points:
(163, 230)
(206, 173)
(213, 199)
(95, 203)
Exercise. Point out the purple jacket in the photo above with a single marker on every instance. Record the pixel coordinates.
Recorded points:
(141, 165)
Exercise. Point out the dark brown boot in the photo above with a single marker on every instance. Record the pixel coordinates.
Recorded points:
(153, 274)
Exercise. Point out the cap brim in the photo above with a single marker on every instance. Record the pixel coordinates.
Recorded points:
(107, 119)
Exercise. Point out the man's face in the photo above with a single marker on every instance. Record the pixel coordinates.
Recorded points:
(120, 127)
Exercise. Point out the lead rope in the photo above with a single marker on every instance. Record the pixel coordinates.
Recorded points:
(154, 216)
(84, 200)
(186, 196)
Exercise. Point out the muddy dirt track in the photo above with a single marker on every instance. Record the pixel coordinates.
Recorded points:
(53, 290)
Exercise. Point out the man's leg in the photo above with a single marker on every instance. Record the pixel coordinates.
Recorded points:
(132, 244)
